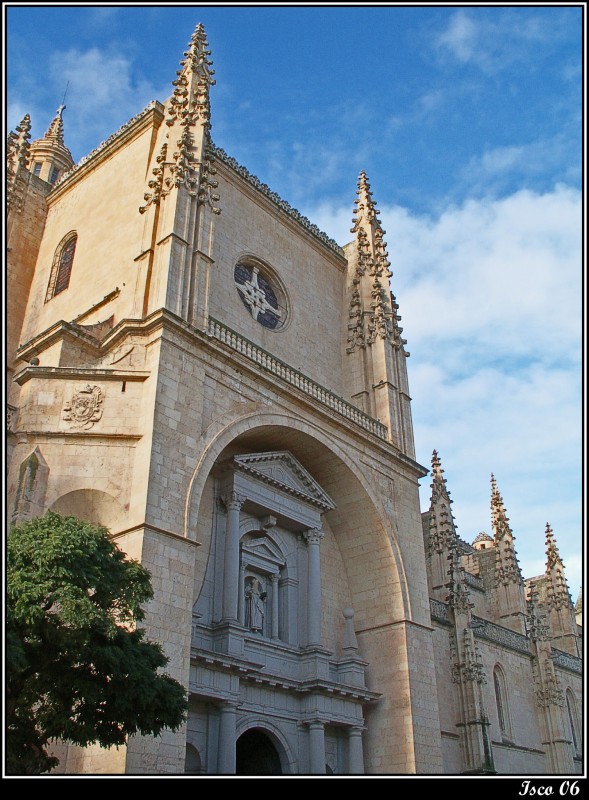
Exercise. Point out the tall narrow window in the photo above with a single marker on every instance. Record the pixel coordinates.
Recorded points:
(61, 269)
(501, 701)
(573, 721)
(37, 168)
(54, 174)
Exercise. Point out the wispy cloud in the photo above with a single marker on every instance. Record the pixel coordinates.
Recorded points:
(498, 167)
(493, 39)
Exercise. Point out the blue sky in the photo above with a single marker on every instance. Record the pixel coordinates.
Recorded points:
(468, 122)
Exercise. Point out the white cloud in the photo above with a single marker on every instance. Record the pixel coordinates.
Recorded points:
(460, 37)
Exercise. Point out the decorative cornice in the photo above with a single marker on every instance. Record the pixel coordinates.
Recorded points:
(229, 161)
(93, 154)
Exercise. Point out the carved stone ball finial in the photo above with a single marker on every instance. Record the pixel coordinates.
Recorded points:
(350, 641)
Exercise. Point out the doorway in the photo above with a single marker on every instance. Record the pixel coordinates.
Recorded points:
(256, 755)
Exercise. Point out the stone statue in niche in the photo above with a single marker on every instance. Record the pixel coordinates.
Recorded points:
(255, 598)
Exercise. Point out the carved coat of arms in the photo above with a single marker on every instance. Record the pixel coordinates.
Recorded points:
(85, 407)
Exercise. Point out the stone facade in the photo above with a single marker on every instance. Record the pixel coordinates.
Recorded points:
(194, 365)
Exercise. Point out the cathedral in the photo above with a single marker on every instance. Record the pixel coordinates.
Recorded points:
(196, 366)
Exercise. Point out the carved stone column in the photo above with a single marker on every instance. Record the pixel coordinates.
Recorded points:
(313, 538)
(274, 579)
(316, 748)
(355, 752)
(231, 569)
(226, 762)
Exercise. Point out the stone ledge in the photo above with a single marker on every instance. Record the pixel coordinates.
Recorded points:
(79, 373)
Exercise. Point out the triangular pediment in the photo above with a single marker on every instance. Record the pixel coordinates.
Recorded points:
(282, 470)
(263, 550)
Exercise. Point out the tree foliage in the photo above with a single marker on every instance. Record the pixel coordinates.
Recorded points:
(78, 668)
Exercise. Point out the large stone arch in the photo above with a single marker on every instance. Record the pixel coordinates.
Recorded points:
(92, 505)
(365, 533)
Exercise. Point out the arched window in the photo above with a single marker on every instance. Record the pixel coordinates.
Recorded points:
(573, 720)
(61, 269)
(501, 701)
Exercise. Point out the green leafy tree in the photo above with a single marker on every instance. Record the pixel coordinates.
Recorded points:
(78, 668)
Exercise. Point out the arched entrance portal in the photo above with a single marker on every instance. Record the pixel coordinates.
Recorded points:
(256, 755)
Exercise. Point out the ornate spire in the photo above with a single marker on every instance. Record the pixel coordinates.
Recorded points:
(190, 100)
(506, 564)
(55, 130)
(442, 534)
(372, 311)
(558, 590)
(17, 159)
(187, 157)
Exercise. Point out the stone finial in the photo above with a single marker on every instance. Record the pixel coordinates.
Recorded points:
(350, 641)
(55, 129)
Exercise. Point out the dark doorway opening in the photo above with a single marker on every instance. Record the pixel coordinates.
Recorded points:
(256, 755)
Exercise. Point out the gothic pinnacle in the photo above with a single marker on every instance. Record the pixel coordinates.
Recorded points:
(552, 554)
(439, 482)
(506, 564)
(559, 590)
(442, 532)
(190, 100)
(18, 143)
(499, 518)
